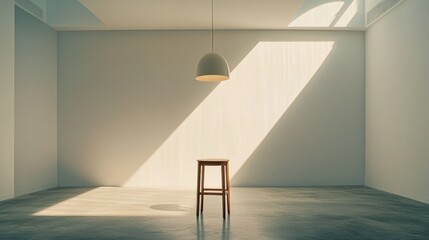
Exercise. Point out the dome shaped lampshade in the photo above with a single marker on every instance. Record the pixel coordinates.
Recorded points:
(212, 68)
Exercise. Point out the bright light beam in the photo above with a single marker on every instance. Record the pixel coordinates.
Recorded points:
(230, 123)
(234, 119)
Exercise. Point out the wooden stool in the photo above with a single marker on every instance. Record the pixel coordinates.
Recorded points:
(224, 191)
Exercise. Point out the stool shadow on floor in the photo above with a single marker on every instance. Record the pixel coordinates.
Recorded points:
(171, 207)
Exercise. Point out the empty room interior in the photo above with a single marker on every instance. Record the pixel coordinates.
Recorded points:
(214, 119)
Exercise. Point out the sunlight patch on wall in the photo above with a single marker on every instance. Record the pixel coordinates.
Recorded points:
(234, 119)
(329, 13)
(348, 15)
(320, 16)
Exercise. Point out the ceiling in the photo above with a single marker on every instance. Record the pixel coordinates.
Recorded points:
(196, 14)
(193, 14)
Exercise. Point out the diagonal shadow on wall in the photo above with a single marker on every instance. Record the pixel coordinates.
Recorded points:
(319, 140)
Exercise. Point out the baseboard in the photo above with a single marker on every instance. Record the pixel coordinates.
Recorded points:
(410, 196)
(35, 189)
(6, 196)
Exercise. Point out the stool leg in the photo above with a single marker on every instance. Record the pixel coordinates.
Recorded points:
(228, 187)
(198, 188)
(202, 187)
(223, 190)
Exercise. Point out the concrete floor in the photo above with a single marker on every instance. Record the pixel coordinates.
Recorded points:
(256, 213)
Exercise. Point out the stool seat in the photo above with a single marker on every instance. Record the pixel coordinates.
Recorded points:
(213, 161)
(224, 191)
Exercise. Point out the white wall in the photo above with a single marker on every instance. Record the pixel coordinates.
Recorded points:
(397, 97)
(7, 20)
(130, 112)
(35, 104)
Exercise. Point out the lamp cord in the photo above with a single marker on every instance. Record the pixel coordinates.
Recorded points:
(212, 29)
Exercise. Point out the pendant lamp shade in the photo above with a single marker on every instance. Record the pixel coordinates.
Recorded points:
(212, 68)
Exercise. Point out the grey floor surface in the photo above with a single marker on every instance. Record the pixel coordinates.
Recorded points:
(257, 213)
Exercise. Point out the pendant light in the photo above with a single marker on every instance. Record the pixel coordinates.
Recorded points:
(212, 66)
